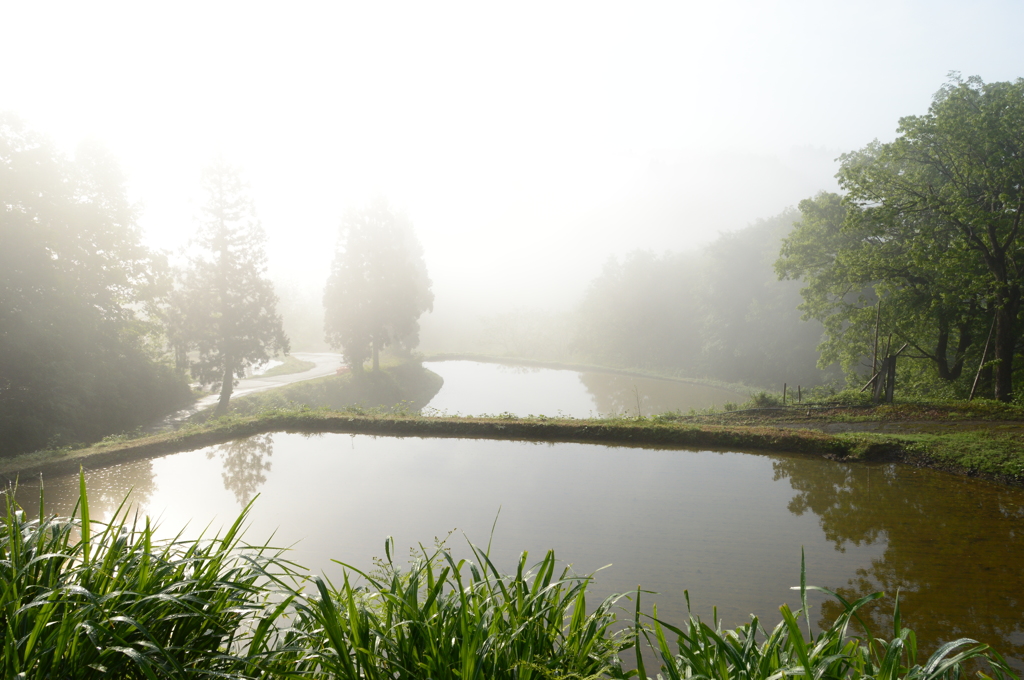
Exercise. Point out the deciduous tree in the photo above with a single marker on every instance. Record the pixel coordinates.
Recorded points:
(937, 214)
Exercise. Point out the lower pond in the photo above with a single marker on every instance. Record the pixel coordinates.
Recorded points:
(728, 527)
(476, 388)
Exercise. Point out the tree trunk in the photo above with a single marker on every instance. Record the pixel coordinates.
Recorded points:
(1005, 343)
(226, 387)
(890, 379)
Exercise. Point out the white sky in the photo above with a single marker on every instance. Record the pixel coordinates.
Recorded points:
(527, 141)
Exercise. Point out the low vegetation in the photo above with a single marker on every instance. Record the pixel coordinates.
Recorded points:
(405, 387)
(85, 599)
(959, 442)
(289, 365)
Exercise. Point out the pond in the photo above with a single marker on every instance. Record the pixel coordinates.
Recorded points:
(729, 527)
(476, 388)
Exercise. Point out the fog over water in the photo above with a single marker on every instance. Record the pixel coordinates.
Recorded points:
(527, 143)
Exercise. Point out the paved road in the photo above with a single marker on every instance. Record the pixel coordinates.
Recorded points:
(326, 364)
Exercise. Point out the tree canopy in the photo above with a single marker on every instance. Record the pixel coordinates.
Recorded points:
(225, 307)
(378, 287)
(79, 352)
(930, 225)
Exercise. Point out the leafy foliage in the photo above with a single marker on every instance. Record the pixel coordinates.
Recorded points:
(225, 308)
(930, 225)
(83, 599)
(378, 287)
(78, 341)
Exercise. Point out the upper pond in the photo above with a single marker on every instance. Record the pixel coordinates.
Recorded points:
(477, 388)
(728, 527)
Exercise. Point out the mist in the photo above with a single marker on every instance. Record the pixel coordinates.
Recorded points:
(527, 145)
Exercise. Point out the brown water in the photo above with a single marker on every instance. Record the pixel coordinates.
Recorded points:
(728, 527)
(477, 388)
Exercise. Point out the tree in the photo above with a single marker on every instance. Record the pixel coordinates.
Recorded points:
(378, 287)
(960, 168)
(79, 349)
(936, 217)
(862, 275)
(225, 306)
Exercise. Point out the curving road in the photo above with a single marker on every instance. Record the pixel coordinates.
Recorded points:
(326, 364)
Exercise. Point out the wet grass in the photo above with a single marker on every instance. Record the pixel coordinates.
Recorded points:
(750, 652)
(86, 599)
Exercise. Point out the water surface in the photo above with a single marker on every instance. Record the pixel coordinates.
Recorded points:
(477, 388)
(728, 527)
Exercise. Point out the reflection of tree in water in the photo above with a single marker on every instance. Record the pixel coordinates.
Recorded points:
(244, 464)
(617, 394)
(953, 547)
(614, 394)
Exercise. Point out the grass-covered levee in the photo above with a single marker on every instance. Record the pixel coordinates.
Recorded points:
(87, 599)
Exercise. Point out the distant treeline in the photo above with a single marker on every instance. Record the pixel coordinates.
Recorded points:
(718, 313)
(921, 259)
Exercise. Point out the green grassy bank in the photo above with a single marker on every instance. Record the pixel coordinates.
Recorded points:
(979, 438)
(986, 453)
(405, 387)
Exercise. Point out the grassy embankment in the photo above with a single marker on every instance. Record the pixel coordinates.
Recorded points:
(981, 438)
(86, 599)
(288, 366)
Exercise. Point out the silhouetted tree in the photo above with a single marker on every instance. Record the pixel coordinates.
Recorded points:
(78, 353)
(226, 304)
(378, 287)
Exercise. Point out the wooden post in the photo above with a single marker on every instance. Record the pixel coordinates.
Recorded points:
(783, 394)
(799, 395)
(984, 355)
(874, 354)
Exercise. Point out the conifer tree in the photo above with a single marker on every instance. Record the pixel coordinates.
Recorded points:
(227, 306)
(378, 287)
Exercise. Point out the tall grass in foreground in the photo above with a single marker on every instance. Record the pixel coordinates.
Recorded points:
(80, 599)
(457, 619)
(711, 653)
(83, 599)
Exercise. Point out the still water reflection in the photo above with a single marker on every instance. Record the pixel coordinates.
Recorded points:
(475, 388)
(727, 526)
